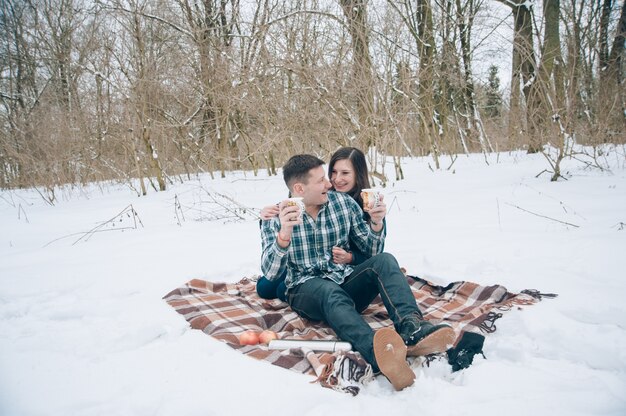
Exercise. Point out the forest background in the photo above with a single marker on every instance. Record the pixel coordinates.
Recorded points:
(119, 90)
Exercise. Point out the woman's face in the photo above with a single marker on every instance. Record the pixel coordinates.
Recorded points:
(343, 176)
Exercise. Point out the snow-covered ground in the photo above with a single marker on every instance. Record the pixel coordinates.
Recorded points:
(84, 329)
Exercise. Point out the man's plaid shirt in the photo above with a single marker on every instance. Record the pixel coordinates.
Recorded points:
(339, 223)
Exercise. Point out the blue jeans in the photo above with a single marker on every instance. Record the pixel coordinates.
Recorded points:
(271, 289)
(340, 306)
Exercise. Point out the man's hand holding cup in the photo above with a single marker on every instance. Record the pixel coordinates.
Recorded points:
(291, 213)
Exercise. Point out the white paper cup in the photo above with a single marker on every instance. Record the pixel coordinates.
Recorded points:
(296, 201)
(371, 198)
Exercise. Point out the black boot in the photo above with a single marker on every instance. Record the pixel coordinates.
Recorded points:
(413, 328)
(423, 338)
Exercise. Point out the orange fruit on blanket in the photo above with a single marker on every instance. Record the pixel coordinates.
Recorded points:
(249, 338)
(266, 336)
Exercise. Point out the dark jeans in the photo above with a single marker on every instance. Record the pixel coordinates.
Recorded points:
(272, 289)
(340, 306)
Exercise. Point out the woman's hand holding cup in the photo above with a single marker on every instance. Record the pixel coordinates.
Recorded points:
(378, 212)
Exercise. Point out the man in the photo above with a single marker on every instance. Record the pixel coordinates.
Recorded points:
(320, 290)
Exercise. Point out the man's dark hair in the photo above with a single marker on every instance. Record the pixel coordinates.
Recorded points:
(297, 168)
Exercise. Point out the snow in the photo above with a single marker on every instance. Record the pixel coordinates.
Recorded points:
(84, 329)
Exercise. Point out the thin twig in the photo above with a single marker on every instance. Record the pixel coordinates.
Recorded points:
(96, 229)
(499, 219)
(454, 158)
(230, 206)
(49, 199)
(21, 210)
(129, 210)
(394, 202)
(11, 202)
(542, 216)
(178, 209)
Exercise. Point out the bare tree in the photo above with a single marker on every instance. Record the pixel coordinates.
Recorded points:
(465, 17)
(523, 66)
(356, 15)
(153, 90)
(212, 24)
(19, 91)
(612, 64)
(418, 18)
(541, 97)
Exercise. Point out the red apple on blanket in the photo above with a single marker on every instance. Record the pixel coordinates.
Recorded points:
(249, 338)
(266, 336)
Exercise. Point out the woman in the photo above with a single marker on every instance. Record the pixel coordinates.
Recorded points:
(347, 171)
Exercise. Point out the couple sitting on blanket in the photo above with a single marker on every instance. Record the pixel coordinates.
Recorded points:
(347, 171)
(322, 286)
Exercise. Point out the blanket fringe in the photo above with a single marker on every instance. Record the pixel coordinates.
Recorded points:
(538, 295)
(345, 372)
(488, 325)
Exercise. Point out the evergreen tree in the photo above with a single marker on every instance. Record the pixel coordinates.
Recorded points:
(494, 97)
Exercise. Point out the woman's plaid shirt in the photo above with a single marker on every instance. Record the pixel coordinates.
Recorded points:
(339, 223)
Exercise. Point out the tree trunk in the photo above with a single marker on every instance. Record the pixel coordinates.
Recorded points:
(613, 87)
(603, 47)
(356, 14)
(431, 123)
(541, 98)
(616, 57)
(153, 157)
(522, 68)
(138, 169)
(465, 17)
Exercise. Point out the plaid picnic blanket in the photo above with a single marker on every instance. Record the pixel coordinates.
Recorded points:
(226, 310)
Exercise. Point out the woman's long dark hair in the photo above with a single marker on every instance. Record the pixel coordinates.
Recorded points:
(357, 158)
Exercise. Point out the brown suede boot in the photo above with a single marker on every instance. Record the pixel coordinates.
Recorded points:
(390, 353)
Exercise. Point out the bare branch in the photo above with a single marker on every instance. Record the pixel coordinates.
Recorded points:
(542, 216)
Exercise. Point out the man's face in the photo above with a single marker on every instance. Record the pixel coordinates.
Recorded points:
(315, 189)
